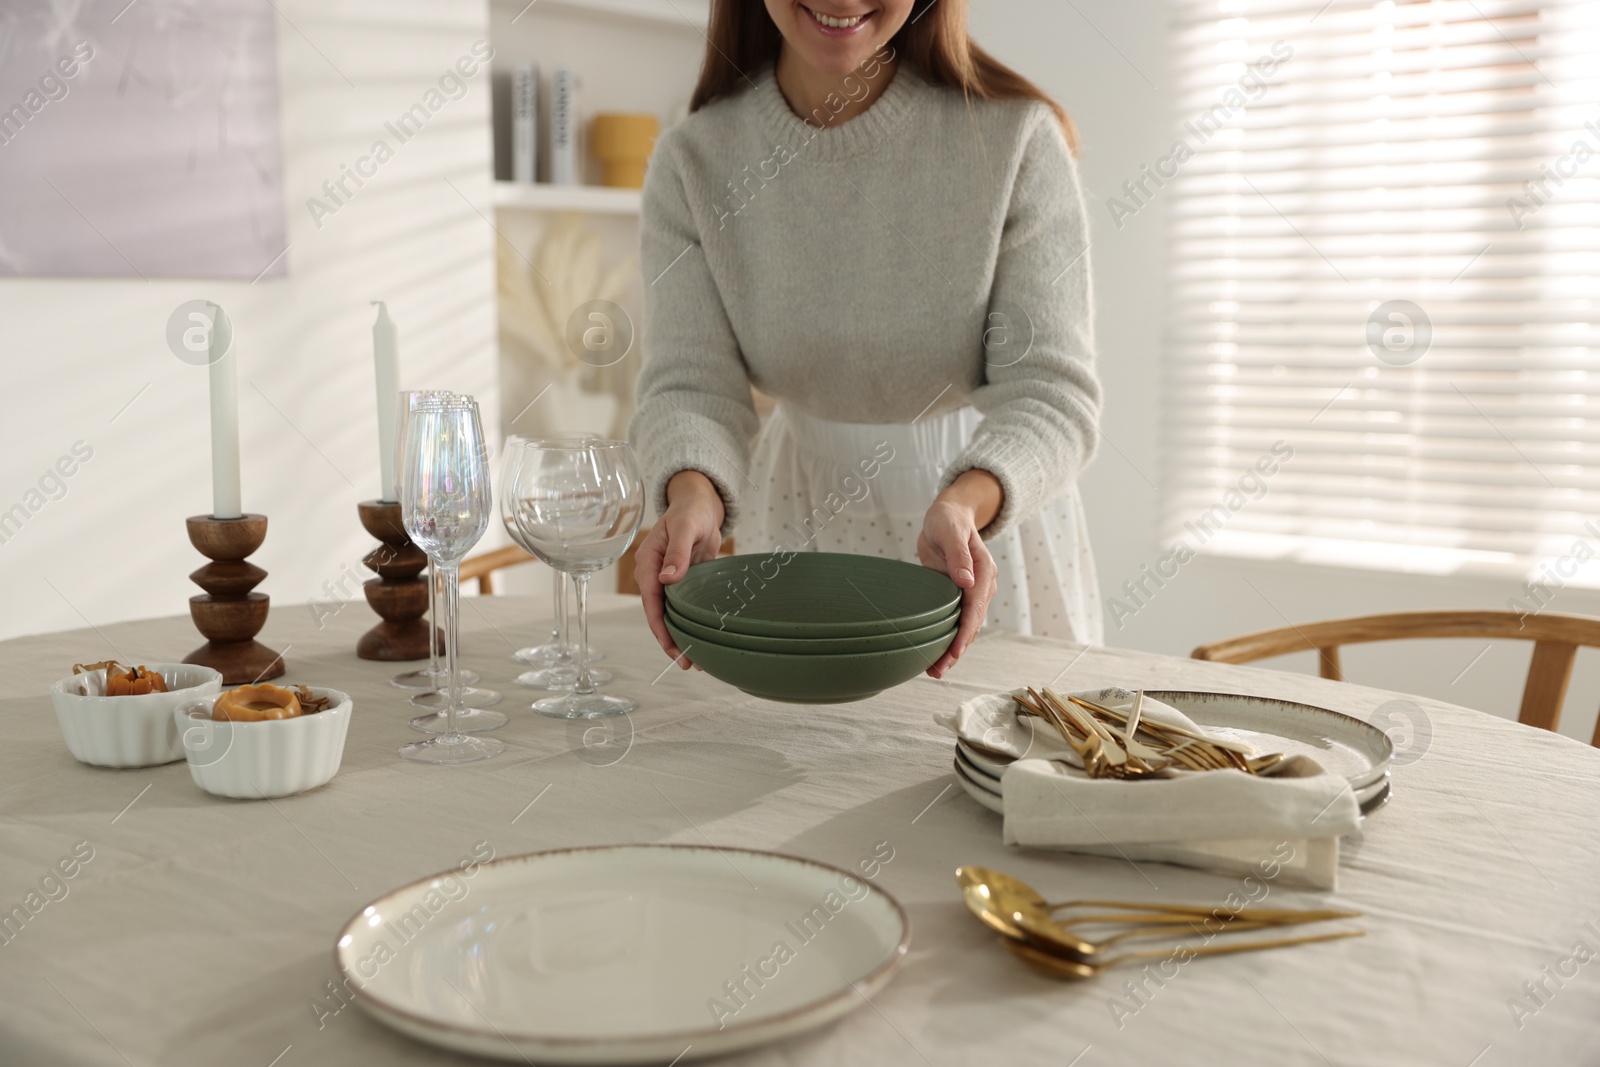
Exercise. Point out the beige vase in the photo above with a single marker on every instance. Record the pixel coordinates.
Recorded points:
(623, 143)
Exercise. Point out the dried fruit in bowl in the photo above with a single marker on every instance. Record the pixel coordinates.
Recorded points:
(254, 703)
(125, 681)
(133, 682)
(309, 703)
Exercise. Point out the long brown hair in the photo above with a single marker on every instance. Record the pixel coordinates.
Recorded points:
(934, 40)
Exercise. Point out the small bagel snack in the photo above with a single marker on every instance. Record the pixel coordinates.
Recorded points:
(257, 703)
(254, 703)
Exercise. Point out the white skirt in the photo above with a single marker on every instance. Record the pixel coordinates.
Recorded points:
(826, 486)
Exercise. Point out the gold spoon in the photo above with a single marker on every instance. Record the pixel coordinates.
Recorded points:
(985, 888)
(1077, 969)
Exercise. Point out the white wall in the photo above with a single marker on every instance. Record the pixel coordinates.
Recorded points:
(1106, 60)
(76, 352)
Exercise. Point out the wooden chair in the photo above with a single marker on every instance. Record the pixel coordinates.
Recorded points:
(1555, 644)
(482, 568)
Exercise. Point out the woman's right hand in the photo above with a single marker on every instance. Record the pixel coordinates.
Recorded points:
(689, 533)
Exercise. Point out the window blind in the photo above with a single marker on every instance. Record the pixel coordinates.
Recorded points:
(1384, 230)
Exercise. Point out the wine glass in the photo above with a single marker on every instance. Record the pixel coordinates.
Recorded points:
(431, 677)
(560, 647)
(446, 503)
(556, 663)
(578, 505)
(559, 651)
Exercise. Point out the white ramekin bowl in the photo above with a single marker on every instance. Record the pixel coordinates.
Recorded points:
(128, 731)
(271, 758)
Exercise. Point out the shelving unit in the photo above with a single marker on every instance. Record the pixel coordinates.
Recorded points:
(630, 56)
(541, 196)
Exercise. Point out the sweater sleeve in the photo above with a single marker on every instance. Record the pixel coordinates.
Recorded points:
(1039, 397)
(694, 406)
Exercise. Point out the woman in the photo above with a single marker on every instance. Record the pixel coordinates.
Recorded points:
(875, 222)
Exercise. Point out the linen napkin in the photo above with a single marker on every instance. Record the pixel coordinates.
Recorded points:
(1225, 821)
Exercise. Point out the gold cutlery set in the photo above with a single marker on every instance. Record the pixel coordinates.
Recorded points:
(1026, 923)
(1121, 744)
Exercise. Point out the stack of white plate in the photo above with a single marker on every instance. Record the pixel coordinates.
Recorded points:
(1340, 743)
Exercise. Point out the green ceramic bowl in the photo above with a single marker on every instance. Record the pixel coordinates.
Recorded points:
(817, 679)
(813, 595)
(812, 646)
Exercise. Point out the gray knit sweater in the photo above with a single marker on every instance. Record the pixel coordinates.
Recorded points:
(921, 257)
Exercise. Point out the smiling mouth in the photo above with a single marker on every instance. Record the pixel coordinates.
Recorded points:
(833, 24)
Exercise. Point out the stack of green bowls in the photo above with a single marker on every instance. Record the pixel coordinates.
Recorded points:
(812, 627)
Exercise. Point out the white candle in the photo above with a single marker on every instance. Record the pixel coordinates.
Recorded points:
(386, 358)
(224, 418)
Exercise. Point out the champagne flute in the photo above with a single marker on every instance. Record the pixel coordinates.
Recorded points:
(446, 503)
(557, 667)
(431, 677)
(578, 504)
(469, 698)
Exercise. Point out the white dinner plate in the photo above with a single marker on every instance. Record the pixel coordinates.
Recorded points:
(985, 777)
(978, 760)
(622, 954)
(985, 788)
(1340, 743)
(989, 798)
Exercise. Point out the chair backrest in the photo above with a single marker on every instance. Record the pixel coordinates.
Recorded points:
(1556, 639)
(482, 568)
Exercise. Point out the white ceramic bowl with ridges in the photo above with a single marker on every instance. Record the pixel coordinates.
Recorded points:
(128, 731)
(271, 758)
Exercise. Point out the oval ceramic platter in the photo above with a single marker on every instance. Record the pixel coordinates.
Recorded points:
(624, 954)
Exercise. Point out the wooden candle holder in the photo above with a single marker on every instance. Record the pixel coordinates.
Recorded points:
(229, 614)
(400, 592)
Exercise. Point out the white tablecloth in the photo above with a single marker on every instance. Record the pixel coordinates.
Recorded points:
(201, 930)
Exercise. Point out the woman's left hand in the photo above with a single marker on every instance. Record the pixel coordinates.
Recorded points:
(949, 543)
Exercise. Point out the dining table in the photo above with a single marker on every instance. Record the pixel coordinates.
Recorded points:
(198, 930)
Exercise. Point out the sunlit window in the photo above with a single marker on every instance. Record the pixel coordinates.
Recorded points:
(1385, 234)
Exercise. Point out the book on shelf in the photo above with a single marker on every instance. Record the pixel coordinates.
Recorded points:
(564, 127)
(525, 123)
